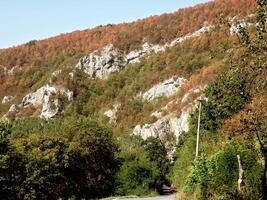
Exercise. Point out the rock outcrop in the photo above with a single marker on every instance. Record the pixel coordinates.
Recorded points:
(110, 60)
(174, 123)
(7, 99)
(46, 98)
(166, 88)
(237, 23)
(171, 124)
(13, 108)
(111, 114)
(136, 55)
(51, 107)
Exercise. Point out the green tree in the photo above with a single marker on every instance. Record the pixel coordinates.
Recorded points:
(137, 173)
(255, 73)
(157, 153)
(92, 157)
(11, 165)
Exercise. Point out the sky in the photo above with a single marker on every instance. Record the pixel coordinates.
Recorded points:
(25, 20)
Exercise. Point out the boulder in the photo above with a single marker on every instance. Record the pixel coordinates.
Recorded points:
(7, 99)
(13, 108)
(111, 114)
(51, 107)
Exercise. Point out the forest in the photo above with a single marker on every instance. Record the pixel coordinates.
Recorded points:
(80, 155)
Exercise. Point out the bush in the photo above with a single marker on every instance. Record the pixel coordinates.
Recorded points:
(215, 177)
(143, 166)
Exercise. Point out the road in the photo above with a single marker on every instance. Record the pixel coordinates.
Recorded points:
(164, 197)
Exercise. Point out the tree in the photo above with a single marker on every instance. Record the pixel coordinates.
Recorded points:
(11, 165)
(254, 71)
(157, 153)
(137, 173)
(92, 162)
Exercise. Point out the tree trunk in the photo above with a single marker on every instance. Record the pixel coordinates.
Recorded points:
(240, 181)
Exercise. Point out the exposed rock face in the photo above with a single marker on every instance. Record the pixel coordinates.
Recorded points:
(189, 36)
(111, 114)
(50, 107)
(109, 61)
(44, 97)
(175, 124)
(37, 98)
(166, 88)
(135, 56)
(7, 99)
(56, 73)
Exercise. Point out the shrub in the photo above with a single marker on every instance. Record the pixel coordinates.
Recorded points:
(140, 170)
(216, 176)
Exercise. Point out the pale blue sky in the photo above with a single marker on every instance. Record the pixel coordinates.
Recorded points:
(25, 20)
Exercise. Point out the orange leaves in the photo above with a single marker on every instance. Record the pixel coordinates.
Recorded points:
(242, 123)
(157, 29)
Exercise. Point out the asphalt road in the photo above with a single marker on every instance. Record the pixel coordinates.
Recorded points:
(164, 197)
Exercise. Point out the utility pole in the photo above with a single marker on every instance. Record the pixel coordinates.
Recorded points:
(198, 129)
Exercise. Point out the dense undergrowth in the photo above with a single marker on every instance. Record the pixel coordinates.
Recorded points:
(233, 123)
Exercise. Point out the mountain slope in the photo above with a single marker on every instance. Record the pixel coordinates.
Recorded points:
(139, 79)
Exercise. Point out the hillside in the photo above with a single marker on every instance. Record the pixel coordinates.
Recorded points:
(114, 110)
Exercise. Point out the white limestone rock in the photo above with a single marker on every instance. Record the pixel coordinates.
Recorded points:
(7, 99)
(166, 88)
(44, 97)
(136, 55)
(158, 114)
(37, 98)
(172, 123)
(13, 108)
(110, 60)
(237, 23)
(175, 123)
(51, 107)
(56, 73)
(111, 114)
(197, 33)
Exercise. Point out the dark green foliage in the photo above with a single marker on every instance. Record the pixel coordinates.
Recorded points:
(136, 177)
(225, 97)
(216, 176)
(11, 165)
(157, 153)
(143, 166)
(45, 164)
(78, 159)
(92, 158)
